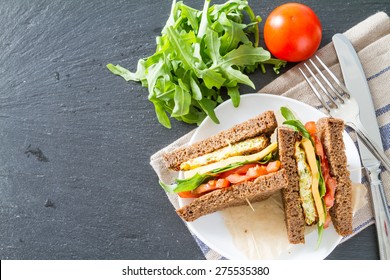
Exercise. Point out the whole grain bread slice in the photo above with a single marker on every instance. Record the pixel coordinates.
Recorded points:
(295, 221)
(264, 124)
(259, 189)
(331, 134)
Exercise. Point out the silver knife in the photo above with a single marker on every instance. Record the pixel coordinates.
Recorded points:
(356, 82)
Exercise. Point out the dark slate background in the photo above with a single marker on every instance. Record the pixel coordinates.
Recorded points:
(75, 140)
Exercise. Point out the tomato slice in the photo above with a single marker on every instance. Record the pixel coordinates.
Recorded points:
(250, 171)
(311, 128)
(239, 170)
(330, 191)
(273, 166)
(236, 178)
(330, 182)
(211, 185)
(257, 171)
(327, 220)
(187, 194)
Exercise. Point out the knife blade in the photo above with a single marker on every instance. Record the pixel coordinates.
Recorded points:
(356, 82)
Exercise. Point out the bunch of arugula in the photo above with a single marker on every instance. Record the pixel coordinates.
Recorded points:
(198, 54)
(294, 123)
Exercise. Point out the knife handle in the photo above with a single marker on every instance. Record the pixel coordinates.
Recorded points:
(371, 146)
(381, 211)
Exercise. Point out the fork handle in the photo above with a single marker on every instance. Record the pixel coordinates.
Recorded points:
(374, 148)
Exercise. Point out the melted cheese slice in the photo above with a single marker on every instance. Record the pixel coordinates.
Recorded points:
(250, 158)
(248, 146)
(311, 159)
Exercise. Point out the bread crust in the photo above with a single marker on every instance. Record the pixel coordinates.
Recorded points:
(264, 124)
(259, 189)
(294, 218)
(330, 131)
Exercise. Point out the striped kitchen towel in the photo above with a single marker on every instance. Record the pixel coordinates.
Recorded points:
(371, 40)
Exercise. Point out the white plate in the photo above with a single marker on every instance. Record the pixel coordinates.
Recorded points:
(211, 228)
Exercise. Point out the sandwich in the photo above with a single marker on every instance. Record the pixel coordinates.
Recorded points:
(234, 167)
(319, 190)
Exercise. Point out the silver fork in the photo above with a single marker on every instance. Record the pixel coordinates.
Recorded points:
(343, 106)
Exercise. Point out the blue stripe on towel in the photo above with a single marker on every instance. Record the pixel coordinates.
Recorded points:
(205, 249)
(202, 246)
(379, 73)
(366, 223)
(382, 110)
(385, 135)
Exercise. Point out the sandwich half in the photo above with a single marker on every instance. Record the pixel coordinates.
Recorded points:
(234, 167)
(319, 189)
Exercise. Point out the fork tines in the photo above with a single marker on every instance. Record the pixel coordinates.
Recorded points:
(332, 92)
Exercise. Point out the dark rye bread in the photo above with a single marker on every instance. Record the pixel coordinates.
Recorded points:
(295, 221)
(331, 135)
(263, 124)
(259, 189)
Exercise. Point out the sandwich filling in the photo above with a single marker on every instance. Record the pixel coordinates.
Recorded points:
(240, 163)
(249, 146)
(305, 182)
(316, 186)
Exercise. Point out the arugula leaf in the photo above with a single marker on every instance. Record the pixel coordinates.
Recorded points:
(123, 72)
(196, 91)
(201, 52)
(208, 106)
(244, 55)
(166, 187)
(277, 63)
(321, 181)
(287, 114)
(234, 94)
(228, 167)
(297, 125)
(320, 230)
(234, 34)
(270, 157)
(322, 191)
(294, 123)
(191, 183)
(161, 114)
(182, 100)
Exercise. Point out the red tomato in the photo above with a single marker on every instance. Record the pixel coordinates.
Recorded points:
(292, 32)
